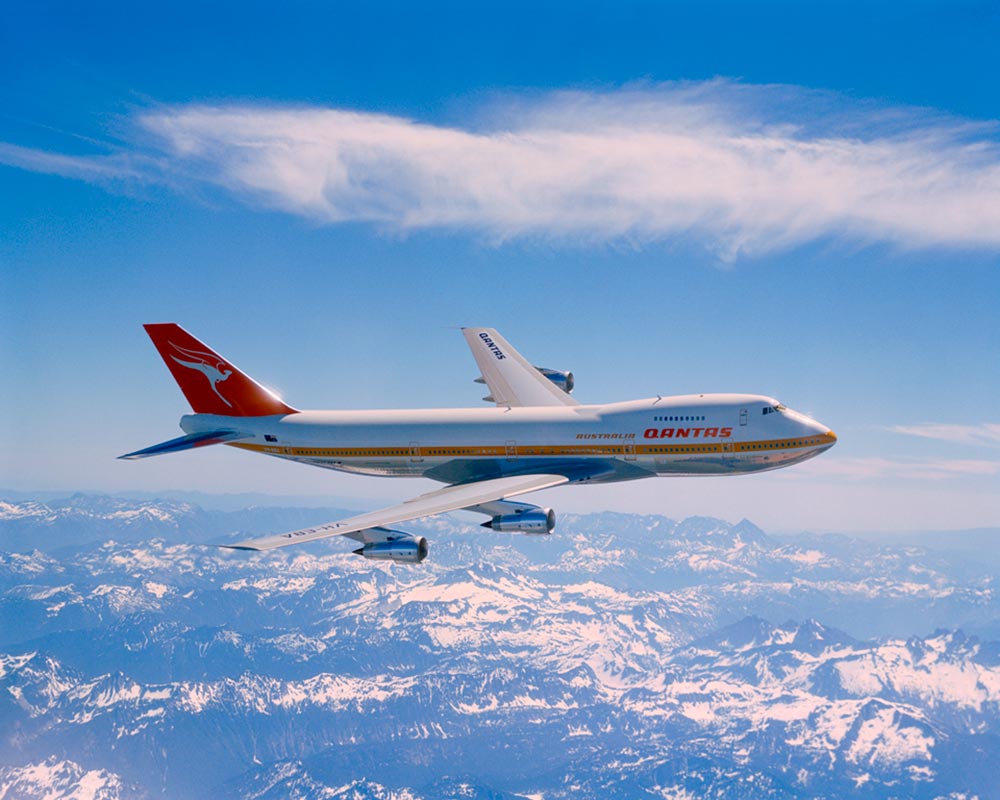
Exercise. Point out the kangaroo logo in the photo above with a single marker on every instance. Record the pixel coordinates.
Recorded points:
(208, 364)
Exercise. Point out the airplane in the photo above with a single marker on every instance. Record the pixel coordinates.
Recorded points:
(535, 436)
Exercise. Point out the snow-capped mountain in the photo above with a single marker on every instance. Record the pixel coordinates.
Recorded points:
(624, 656)
(53, 779)
(82, 519)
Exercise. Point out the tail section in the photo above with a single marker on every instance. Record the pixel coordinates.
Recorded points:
(211, 384)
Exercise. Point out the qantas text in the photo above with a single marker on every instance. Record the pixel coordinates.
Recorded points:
(492, 345)
(684, 433)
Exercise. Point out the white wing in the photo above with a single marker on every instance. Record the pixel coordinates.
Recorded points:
(450, 498)
(512, 380)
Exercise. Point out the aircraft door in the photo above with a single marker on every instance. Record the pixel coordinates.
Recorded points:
(743, 417)
(511, 450)
(415, 452)
(628, 450)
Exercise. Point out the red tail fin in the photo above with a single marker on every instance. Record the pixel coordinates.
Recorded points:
(211, 384)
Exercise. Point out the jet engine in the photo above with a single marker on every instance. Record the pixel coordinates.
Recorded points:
(404, 551)
(564, 380)
(540, 521)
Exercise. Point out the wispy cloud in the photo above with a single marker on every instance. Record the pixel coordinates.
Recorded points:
(986, 434)
(740, 169)
(95, 169)
(863, 469)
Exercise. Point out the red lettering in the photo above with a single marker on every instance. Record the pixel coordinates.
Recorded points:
(711, 431)
(651, 433)
(726, 432)
(683, 432)
(667, 433)
(697, 432)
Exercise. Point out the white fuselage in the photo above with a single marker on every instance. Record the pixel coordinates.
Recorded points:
(710, 434)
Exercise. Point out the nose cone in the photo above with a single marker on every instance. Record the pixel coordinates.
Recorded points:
(827, 438)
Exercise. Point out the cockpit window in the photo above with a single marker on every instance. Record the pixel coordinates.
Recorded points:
(773, 409)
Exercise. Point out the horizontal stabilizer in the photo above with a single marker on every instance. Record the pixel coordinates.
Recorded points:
(186, 443)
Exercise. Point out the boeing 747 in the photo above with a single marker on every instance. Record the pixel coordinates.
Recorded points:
(534, 437)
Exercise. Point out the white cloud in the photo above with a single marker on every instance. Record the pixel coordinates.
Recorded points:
(96, 169)
(741, 169)
(986, 434)
(868, 468)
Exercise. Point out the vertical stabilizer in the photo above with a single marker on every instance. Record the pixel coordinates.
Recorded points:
(211, 384)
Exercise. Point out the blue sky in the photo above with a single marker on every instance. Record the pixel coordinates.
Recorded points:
(801, 200)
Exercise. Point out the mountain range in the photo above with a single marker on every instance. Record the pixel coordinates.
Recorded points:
(624, 656)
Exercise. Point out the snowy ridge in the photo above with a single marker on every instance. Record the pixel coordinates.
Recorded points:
(597, 662)
(54, 779)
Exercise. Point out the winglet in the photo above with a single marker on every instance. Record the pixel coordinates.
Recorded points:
(211, 384)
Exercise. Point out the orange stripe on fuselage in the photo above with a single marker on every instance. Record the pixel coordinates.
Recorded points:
(534, 451)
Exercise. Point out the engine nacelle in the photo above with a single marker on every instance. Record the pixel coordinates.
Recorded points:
(405, 551)
(564, 380)
(541, 521)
